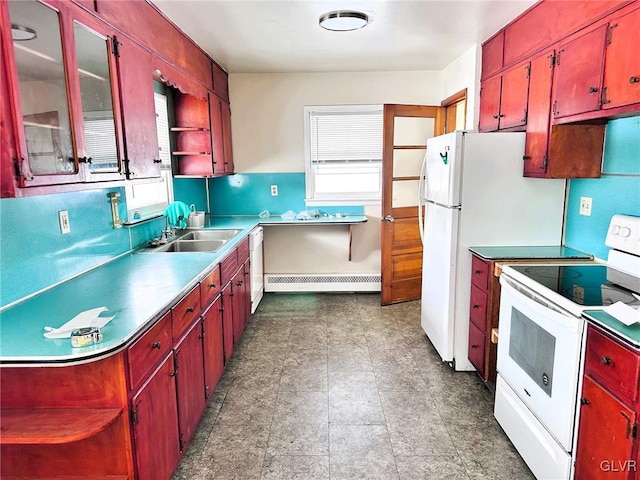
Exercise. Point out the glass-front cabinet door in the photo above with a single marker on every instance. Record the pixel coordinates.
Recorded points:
(65, 101)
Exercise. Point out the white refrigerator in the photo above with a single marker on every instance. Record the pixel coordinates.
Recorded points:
(475, 195)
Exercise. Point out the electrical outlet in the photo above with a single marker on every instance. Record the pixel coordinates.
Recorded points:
(63, 219)
(585, 206)
(274, 190)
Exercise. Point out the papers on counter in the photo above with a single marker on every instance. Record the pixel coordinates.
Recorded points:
(88, 318)
(624, 313)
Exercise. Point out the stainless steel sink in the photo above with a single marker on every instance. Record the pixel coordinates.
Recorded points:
(210, 234)
(192, 246)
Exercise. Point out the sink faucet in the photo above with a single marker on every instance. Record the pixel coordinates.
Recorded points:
(168, 234)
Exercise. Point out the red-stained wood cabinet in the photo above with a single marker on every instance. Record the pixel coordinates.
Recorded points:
(621, 84)
(581, 72)
(108, 54)
(213, 346)
(155, 423)
(189, 368)
(607, 444)
(578, 75)
(53, 123)
(536, 151)
(138, 110)
(504, 100)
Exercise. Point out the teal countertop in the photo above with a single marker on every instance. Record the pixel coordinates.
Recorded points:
(630, 334)
(137, 288)
(533, 252)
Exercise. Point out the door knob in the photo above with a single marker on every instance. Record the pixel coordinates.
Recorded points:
(388, 218)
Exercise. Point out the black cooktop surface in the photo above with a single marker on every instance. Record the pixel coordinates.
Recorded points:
(589, 285)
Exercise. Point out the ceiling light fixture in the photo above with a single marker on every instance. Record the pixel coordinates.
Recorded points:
(21, 33)
(343, 20)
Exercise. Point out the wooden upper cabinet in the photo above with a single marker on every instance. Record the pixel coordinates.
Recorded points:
(578, 75)
(504, 100)
(513, 97)
(135, 68)
(622, 62)
(220, 82)
(149, 27)
(226, 137)
(490, 104)
(548, 21)
(492, 55)
(538, 115)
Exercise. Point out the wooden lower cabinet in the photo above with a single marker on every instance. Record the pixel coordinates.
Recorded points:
(239, 305)
(129, 415)
(227, 321)
(213, 346)
(189, 361)
(607, 445)
(155, 424)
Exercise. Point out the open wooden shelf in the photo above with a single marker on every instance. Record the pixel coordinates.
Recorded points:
(49, 426)
(190, 153)
(189, 129)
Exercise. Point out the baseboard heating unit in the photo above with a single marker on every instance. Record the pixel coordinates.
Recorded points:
(322, 283)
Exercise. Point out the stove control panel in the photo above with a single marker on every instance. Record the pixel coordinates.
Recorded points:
(624, 234)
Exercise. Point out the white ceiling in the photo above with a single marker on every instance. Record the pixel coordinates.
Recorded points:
(284, 36)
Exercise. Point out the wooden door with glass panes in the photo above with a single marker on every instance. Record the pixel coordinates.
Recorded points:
(405, 132)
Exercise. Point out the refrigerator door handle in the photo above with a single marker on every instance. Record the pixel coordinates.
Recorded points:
(452, 207)
(421, 198)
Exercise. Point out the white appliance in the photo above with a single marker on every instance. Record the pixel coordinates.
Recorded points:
(540, 348)
(257, 267)
(475, 194)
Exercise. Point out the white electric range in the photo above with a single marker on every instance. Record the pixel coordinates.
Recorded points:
(540, 348)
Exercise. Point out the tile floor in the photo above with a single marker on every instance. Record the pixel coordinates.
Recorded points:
(333, 386)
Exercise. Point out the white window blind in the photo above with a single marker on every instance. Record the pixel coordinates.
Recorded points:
(100, 141)
(162, 129)
(343, 150)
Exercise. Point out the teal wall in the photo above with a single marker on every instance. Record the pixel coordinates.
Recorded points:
(617, 191)
(250, 194)
(33, 252)
(34, 255)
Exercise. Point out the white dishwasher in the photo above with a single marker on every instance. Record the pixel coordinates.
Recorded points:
(257, 267)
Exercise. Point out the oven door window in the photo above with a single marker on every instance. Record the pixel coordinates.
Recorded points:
(533, 349)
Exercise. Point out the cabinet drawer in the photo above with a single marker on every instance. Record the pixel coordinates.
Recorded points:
(144, 354)
(185, 311)
(478, 308)
(476, 348)
(243, 251)
(228, 267)
(480, 273)
(210, 287)
(612, 365)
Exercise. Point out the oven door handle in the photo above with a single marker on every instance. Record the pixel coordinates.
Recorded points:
(531, 294)
(538, 307)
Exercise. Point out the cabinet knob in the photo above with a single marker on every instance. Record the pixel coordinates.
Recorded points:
(495, 116)
(593, 89)
(157, 160)
(239, 284)
(605, 361)
(474, 346)
(212, 285)
(190, 309)
(477, 272)
(526, 157)
(584, 401)
(475, 307)
(634, 79)
(156, 345)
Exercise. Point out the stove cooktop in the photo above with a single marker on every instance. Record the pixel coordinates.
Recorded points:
(585, 285)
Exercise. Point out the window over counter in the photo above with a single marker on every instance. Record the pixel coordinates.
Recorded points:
(343, 154)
